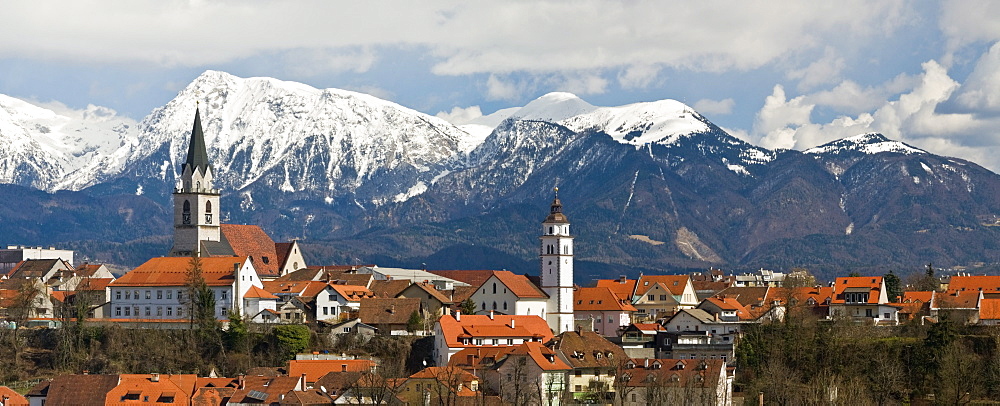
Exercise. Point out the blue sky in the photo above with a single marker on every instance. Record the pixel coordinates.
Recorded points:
(777, 74)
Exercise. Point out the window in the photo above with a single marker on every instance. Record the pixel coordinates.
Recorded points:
(494, 288)
(663, 297)
(118, 311)
(479, 341)
(224, 295)
(651, 297)
(128, 311)
(127, 295)
(868, 312)
(118, 295)
(333, 297)
(578, 388)
(136, 294)
(180, 295)
(170, 311)
(149, 312)
(159, 294)
(886, 316)
(208, 212)
(325, 311)
(347, 329)
(186, 215)
(180, 312)
(149, 294)
(170, 294)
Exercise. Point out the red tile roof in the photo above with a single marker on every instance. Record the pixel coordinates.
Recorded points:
(967, 299)
(622, 289)
(731, 304)
(174, 271)
(519, 285)
(985, 283)
(274, 387)
(871, 284)
(307, 290)
(674, 283)
(251, 241)
(387, 310)
(473, 278)
(352, 293)
(78, 390)
(501, 326)
(13, 398)
(258, 293)
(989, 309)
(599, 299)
(316, 369)
(152, 389)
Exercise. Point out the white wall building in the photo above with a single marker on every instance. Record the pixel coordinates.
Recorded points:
(556, 253)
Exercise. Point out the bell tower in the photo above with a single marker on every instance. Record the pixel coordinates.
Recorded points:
(557, 268)
(196, 201)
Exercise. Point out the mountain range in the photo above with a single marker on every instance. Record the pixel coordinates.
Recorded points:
(648, 187)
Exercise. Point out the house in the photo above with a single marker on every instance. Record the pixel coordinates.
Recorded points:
(26, 299)
(360, 331)
(639, 339)
(960, 306)
(265, 390)
(915, 305)
(594, 360)
(361, 388)
(505, 292)
(95, 294)
(863, 298)
(660, 296)
(391, 316)
(68, 280)
(607, 313)
(433, 303)
(8, 397)
(454, 333)
(72, 390)
(13, 254)
(438, 385)
(988, 284)
(270, 259)
(762, 278)
(43, 270)
(296, 299)
(261, 305)
(623, 288)
(313, 370)
(674, 382)
(152, 389)
(337, 301)
(697, 334)
(158, 289)
(530, 373)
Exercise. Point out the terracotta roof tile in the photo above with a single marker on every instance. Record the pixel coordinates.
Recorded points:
(481, 326)
(584, 349)
(352, 293)
(873, 284)
(94, 283)
(622, 289)
(389, 288)
(431, 290)
(387, 311)
(80, 390)
(519, 285)
(258, 293)
(985, 283)
(473, 278)
(674, 283)
(316, 369)
(173, 271)
(674, 372)
(251, 241)
(599, 299)
(273, 387)
(13, 398)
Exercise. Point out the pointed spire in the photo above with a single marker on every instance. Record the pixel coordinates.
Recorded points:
(197, 156)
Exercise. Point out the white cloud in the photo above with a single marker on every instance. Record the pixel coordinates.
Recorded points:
(638, 76)
(824, 71)
(503, 89)
(964, 22)
(459, 116)
(981, 91)
(582, 84)
(777, 117)
(462, 38)
(719, 107)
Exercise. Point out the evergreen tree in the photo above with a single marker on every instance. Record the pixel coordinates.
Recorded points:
(893, 286)
(468, 307)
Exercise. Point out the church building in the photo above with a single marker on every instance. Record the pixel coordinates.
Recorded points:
(556, 280)
(197, 220)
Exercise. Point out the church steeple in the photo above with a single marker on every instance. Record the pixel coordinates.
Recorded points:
(197, 156)
(556, 255)
(196, 201)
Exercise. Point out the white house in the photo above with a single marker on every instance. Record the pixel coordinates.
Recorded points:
(454, 333)
(336, 299)
(158, 289)
(507, 293)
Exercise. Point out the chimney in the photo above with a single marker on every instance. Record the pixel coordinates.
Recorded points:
(621, 279)
(154, 377)
(241, 382)
(511, 322)
(491, 315)
(645, 363)
(392, 309)
(458, 315)
(86, 372)
(5, 400)
(302, 383)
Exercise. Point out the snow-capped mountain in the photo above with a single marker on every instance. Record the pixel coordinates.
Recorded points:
(652, 183)
(39, 146)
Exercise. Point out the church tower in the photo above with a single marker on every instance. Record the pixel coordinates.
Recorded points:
(196, 201)
(557, 268)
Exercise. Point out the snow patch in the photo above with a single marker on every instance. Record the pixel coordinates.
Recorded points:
(414, 190)
(138, 190)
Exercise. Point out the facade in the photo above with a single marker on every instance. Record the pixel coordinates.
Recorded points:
(697, 334)
(556, 253)
(196, 201)
(602, 309)
(660, 296)
(158, 289)
(675, 382)
(10, 256)
(339, 301)
(863, 298)
(507, 293)
(594, 360)
(454, 333)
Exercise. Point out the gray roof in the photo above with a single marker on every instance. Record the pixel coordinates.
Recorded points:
(197, 155)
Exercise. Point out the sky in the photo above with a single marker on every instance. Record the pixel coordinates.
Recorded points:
(778, 74)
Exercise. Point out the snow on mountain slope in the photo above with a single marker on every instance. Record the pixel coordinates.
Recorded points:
(318, 140)
(870, 143)
(660, 122)
(38, 145)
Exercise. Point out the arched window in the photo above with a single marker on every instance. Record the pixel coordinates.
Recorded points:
(494, 305)
(505, 305)
(186, 214)
(208, 212)
(550, 229)
(494, 292)
(484, 305)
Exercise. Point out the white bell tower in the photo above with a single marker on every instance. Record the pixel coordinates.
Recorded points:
(557, 268)
(196, 201)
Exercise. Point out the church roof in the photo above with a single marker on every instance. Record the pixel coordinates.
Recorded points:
(197, 155)
(251, 241)
(555, 212)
